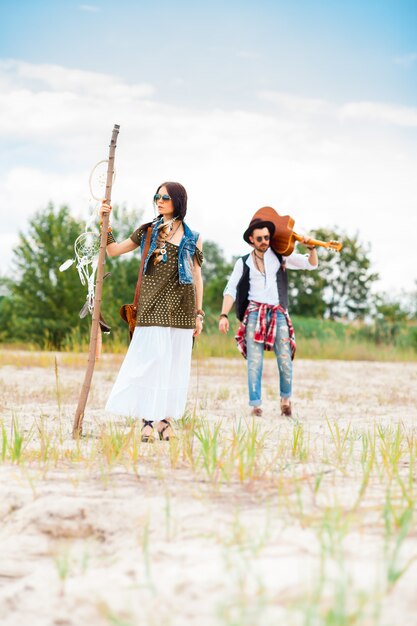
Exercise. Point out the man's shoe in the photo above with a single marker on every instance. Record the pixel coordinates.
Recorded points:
(257, 411)
(286, 410)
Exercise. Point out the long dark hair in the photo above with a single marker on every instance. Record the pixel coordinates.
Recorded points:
(179, 198)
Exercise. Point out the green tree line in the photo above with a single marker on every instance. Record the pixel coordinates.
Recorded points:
(39, 305)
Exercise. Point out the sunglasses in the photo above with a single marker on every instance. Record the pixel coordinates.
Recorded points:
(164, 198)
(259, 239)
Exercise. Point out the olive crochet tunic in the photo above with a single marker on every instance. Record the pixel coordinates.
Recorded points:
(163, 301)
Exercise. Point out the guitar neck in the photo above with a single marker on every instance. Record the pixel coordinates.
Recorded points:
(317, 242)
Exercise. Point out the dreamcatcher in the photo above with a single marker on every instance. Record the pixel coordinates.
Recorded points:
(86, 248)
(87, 245)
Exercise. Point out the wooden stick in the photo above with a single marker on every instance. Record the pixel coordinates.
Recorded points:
(85, 390)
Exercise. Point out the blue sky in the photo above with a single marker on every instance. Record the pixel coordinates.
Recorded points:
(221, 53)
(309, 106)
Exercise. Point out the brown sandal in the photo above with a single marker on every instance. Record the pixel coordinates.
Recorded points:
(150, 438)
(161, 432)
(286, 409)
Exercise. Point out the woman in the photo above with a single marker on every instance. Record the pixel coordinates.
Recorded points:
(153, 381)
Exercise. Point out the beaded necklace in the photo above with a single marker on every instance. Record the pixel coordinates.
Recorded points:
(257, 265)
(165, 229)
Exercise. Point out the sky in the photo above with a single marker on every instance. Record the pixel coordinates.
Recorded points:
(308, 106)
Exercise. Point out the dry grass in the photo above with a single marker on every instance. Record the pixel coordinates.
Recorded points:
(309, 522)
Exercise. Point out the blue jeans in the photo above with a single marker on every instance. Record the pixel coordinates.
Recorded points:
(255, 357)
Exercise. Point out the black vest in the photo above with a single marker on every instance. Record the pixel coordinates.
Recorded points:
(242, 289)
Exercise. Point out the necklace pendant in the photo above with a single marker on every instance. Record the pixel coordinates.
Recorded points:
(160, 254)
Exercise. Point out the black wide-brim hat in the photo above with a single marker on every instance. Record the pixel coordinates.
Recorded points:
(258, 222)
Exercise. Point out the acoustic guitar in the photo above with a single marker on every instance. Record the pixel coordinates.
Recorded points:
(284, 238)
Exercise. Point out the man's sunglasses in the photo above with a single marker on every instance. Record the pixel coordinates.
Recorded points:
(164, 198)
(259, 239)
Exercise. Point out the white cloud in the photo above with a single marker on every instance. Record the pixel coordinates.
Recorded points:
(380, 112)
(248, 54)
(27, 189)
(52, 100)
(406, 60)
(295, 104)
(89, 8)
(307, 157)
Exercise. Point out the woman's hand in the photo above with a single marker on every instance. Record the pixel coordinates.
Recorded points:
(198, 327)
(224, 325)
(104, 209)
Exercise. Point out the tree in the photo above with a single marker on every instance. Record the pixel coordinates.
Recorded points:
(44, 298)
(216, 270)
(342, 285)
(306, 293)
(349, 278)
(412, 302)
(7, 314)
(390, 320)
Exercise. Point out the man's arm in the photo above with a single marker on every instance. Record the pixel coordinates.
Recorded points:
(312, 258)
(297, 261)
(226, 308)
(229, 296)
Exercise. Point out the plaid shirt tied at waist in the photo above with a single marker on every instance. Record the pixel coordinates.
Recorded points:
(264, 332)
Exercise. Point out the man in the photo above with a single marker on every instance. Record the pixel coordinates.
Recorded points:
(259, 285)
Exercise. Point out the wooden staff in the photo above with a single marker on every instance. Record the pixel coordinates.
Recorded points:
(85, 390)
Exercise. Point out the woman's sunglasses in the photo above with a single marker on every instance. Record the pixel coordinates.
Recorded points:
(164, 198)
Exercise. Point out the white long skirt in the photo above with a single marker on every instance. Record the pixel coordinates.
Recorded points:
(152, 383)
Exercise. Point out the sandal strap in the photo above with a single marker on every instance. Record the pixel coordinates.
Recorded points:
(167, 425)
(147, 423)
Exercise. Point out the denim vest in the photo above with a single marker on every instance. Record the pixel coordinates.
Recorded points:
(186, 251)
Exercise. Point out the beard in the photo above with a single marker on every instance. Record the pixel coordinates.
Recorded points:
(261, 247)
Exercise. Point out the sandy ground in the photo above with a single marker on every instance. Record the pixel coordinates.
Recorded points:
(157, 541)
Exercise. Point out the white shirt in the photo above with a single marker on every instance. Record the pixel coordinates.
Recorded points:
(264, 288)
